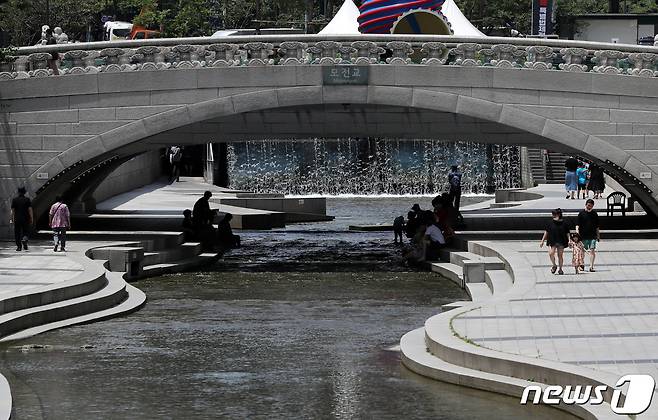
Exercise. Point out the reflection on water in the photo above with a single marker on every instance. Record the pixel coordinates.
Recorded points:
(279, 329)
(250, 345)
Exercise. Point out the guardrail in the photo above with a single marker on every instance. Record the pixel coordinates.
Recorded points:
(431, 50)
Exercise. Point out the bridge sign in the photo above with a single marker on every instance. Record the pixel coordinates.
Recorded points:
(345, 75)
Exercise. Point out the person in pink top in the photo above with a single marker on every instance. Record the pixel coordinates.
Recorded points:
(60, 221)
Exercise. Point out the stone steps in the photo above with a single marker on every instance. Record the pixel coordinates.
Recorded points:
(135, 300)
(185, 250)
(458, 257)
(149, 240)
(180, 265)
(110, 295)
(91, 279)
(453, 305)
(498, 281)
(437, 352)
(479, 292)
(416, 357)
(450, 271)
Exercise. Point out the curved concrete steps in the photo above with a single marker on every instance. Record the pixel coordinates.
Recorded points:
(436, 351)
(134, 301)
(498, 281)
(450, 271)
(416, 357)
(180, 265)
(108, 296)
(479, 292)
(91, 279)
(183, 251)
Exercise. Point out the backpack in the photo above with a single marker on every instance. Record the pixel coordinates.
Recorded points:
(176, 155)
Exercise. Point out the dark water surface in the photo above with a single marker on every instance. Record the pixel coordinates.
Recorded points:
(294, 325)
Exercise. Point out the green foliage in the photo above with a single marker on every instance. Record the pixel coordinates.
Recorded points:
(150, 16)
(491, 14)
(7, 54)
(192, 19)
(23, 19)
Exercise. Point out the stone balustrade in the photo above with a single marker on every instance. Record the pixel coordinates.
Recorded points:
(185, 53)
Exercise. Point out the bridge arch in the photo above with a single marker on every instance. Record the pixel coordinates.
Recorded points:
(167, 127)
(123, 98)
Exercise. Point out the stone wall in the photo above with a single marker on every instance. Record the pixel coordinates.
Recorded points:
(137, 172)
(527, 181)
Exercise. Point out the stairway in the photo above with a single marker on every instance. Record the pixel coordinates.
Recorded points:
(555, 167)
(92, 295)
(537, 168)
(438, 351)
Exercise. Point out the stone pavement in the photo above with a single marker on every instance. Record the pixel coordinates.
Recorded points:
(40, 266)
(606, 321)
(553, 197)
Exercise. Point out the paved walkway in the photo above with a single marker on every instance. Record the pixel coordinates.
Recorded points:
(176, 197)
(553, 197)
(606, 321)
(40, 266)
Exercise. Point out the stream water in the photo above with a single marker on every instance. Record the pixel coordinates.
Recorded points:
(299, 323)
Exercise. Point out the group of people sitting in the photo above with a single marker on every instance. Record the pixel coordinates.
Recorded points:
(198, 225)
(428, 230)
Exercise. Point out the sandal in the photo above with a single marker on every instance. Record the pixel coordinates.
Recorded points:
(592, 270)
(560, 271)
(553, 269)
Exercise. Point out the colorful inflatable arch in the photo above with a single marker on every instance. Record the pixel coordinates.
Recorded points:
(400, 16)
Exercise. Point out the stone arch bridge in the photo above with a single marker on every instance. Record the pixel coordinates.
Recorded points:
(115, 100)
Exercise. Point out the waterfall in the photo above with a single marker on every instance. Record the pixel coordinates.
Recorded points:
(369, 166)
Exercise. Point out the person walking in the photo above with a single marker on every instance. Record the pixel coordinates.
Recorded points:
(596, 180)
(398, 228)
(175, 157)
(59, 219)
(587, 226)
(556, 237)
(22, 217)
(455, 189)
(570, 177)
(578, 252)
(582, 173)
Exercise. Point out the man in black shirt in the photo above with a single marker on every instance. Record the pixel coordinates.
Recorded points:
(588, 228)
(201, 214)
(21, 217)
(202, 218)
(455, 187)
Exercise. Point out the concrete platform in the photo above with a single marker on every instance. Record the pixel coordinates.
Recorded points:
(586, 329)
(160, 206)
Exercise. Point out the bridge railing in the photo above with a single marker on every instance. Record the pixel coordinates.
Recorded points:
(184, 53)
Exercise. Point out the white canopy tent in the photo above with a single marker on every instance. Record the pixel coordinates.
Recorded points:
(460, 25)
(345, 21)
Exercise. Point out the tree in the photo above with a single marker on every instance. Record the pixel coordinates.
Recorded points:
(23, 19)
(192, 18)
(490, 14)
